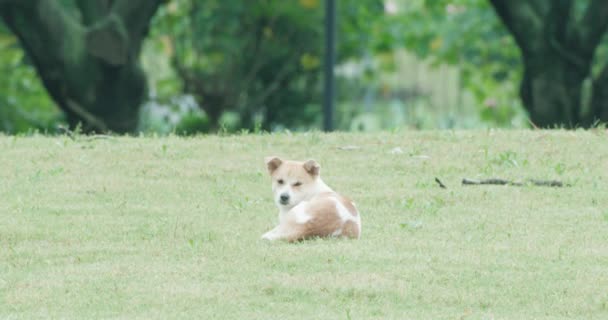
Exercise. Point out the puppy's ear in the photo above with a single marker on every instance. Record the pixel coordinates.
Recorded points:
(273, 163)
(312, 167)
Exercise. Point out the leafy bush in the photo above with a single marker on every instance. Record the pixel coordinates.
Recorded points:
(24, 103)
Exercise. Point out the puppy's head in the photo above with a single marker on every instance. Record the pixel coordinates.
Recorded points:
(292, 181)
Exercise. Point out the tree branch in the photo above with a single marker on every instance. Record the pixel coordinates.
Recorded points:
(91, 120)
(593, 26)
(136, 15)
(46, 17)
(117, 38)
(558, 20)
(599, 100)
(560, 32)
(38, 24)
(109, 41)
(93, 10)
(20, 3)
(72, 56)
(523, 18)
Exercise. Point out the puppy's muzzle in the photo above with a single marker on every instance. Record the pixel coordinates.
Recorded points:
(284, 199)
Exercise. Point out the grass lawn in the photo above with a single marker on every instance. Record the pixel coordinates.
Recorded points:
(140, 228)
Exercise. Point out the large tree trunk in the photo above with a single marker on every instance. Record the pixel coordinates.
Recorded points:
(557, 50)
(551, 90)
(599, 99)
(89, 67)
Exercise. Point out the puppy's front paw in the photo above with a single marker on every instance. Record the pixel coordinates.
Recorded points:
(269, 236)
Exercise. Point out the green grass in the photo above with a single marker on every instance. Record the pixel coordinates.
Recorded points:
(141, 228)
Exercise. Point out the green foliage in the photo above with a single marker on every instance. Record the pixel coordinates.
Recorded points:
(258, 59)
(255, 64)
(469, 35)
(180, 115)
(24, 103)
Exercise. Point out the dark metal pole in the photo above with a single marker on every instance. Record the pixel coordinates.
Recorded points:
(330, 61)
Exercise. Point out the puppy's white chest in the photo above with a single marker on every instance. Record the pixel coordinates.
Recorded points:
(298, 214)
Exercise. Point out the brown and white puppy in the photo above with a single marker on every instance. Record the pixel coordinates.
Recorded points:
(307, 206)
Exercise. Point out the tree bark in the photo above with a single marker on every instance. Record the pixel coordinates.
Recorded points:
(599, 99)
(551, 90)
(557, 51)
(90, 67)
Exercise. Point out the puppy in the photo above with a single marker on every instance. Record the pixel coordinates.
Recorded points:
(307, 206)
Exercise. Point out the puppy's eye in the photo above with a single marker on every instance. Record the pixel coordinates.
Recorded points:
(297, 184)
(280, 181)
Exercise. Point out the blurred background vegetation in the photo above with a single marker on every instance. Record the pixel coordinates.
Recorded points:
(192, 66)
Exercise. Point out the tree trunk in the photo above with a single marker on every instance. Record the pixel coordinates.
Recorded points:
(551, 90)
(599, 99)
(558, 50)
(90, 67)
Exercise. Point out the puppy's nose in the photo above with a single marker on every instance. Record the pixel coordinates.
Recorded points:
(284, 198)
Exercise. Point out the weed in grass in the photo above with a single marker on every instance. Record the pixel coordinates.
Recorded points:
(411, 225)
(408, 203)
(36, 176)
(560, 168)
(433, 205)
(486, 152)
(604, 304)
(56, 171)
(507, 158)
(314, 138)
(424, 184)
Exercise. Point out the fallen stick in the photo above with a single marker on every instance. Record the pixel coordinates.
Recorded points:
(502, 182)
(440, 183)
(546, 183)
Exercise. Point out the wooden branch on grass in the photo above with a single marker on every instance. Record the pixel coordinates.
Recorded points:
(441, 185)
(502, 182)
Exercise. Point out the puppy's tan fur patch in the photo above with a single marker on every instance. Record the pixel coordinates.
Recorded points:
(307, 206)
